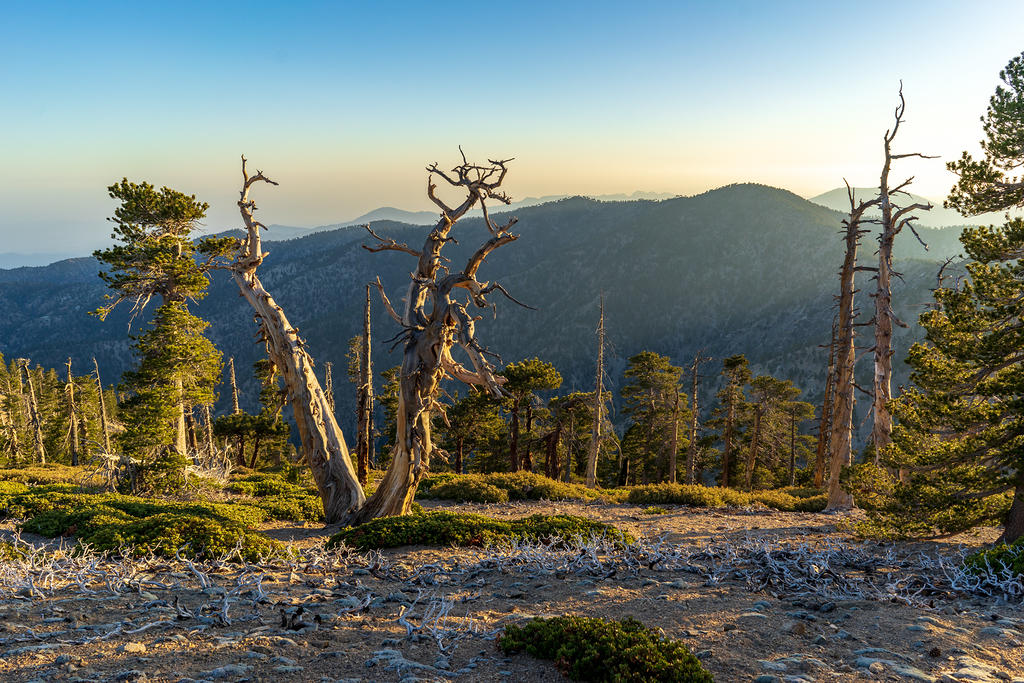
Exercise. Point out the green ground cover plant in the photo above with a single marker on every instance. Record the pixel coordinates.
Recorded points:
(592, 649)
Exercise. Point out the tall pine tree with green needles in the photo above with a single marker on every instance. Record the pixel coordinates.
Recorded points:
(649, 393)
(525, 378)
(155, 256)
(994, 183)
(960, 438)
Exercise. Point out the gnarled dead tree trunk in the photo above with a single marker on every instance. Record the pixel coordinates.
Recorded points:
(322, 443)
(894, 219)
(433, 323)
(841, 433)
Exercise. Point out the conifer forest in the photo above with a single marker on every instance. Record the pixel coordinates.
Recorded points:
(734, 436)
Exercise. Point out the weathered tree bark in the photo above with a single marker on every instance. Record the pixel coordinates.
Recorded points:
(104, 421)
(459, 449)
(33, 414)
(527, 460)
(433, 323)
(1014, 528)
(329, 389)
(190, 431)
(364, 400)
(72, 417)
(322, 442)
(235, 410)
(825, 423)
(894, 219)
(595, 434)
(841, 437)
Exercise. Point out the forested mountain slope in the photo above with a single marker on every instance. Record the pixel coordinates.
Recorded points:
(741, 269)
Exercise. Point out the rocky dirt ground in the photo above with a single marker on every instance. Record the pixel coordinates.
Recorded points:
(421, 614)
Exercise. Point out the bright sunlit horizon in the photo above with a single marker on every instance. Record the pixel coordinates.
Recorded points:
(345, 104)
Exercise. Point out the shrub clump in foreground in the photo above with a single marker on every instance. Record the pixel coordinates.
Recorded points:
(442, 528)
(589, 649)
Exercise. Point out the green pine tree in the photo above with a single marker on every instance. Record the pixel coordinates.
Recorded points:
(178, 367)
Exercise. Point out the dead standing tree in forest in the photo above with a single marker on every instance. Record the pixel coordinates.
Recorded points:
(433, 323)
(841, 433)
(893, 220)
(322, 444)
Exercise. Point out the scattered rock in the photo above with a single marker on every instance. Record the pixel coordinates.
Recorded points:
(797, 628)
(132, 648)
(227, 671)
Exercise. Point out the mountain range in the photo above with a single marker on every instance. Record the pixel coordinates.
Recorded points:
(742, 269)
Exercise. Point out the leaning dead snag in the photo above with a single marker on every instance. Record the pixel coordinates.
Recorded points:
(72, 435)
(841, 433)
(322, 443)
(595, 436)
(894, 219)
(104, 421)
(434, 322)
(33, 413)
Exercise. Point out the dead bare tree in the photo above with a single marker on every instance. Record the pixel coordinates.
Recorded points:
(595, 439)
(894, 219)
(841, 433)
(691, 450)
(825, 422)
(364, 400)
(235, 409)
(323, 445)
(104, 420)
(433, 322)
(33, 413)
(72, 436)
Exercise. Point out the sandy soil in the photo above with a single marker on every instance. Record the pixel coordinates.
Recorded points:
(739, 634)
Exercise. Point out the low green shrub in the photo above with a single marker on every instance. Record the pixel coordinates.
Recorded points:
(290, 508)
(654, 510)
(443, 528)
(469, 489)
(53, 473)
(115, 522)
(166, 532)
(590, 649)
(676, 494)
(268, 484)
(707, 496)
(999, 559)
(431, 480)
(484, 488)
(9, 551)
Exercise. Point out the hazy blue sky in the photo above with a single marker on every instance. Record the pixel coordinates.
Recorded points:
(344, 103)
